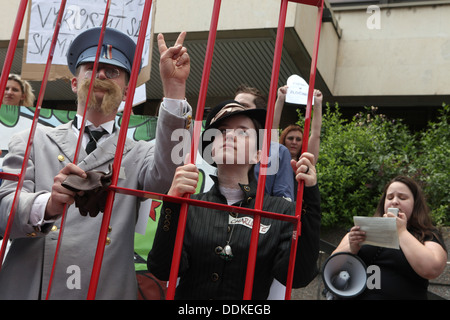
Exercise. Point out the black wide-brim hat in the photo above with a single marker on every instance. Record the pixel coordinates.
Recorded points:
(224, 110)
(117, 49)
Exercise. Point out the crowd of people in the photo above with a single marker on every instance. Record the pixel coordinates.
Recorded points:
(216, 243)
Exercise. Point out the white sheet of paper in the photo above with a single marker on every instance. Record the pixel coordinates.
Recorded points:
(297, 92)
(80, 15)
(380, 231)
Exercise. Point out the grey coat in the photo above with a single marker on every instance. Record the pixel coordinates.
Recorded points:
(26, 271)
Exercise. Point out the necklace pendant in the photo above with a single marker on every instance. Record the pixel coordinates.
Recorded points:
(227, 254)
(227, 250)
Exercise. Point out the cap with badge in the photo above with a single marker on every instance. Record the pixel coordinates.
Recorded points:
(117, 49)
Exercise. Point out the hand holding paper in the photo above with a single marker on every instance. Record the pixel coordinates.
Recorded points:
(381, 232)
(297, 92)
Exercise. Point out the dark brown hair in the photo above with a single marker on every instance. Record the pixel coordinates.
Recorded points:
(419, 223)
(260, 99)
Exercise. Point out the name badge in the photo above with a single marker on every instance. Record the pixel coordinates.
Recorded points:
(248, 222)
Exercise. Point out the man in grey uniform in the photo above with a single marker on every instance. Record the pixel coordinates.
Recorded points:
(147, 166)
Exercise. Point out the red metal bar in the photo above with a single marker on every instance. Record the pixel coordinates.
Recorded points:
(316, 3)
(93, 77)
(4, 79)
(299, 203)
(12, 48)
(200, 203)
(9, 176)
(265, 152)
(32, 130)
(44, 85)
(260, 191)
(79, 142)
(119, 152)
(185, 201)
(194, 147)
(261, 184)
(205, 79)
(39, 104)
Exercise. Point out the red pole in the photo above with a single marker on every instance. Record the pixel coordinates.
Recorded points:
(178, 247)
(12, 48)
(119, 153)
(77, 149)
(298, 209)
(4, 79)
(265, 152)
(33, 126)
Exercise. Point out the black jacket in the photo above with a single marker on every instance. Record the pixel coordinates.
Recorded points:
(204, 274)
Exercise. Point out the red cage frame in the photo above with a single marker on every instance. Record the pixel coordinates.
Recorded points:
(184, 201)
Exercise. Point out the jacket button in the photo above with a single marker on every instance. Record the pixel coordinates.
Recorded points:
(214, 277)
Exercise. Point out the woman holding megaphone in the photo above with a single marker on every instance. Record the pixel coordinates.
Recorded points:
(404, 272)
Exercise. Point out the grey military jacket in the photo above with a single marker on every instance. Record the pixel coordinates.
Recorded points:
(26, 271)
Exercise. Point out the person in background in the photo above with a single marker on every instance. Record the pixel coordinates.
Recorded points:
(422, 255)
(292, 135)
(279, 173)
(18, 92)
(216, 243)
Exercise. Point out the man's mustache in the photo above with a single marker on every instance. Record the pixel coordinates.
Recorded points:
(112, 97)
(103, 85)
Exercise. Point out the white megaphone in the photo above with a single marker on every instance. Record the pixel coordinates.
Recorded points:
(344, 275)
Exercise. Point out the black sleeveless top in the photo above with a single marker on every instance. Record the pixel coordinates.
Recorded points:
(397, 278)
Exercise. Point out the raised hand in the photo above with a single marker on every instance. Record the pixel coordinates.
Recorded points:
(174, 67)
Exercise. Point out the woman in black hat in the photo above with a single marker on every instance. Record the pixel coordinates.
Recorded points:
(216, 243)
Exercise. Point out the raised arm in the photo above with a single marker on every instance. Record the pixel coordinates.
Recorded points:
(174, 66)
(316, 126)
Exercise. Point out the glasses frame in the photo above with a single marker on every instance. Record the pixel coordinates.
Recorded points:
(111, 72)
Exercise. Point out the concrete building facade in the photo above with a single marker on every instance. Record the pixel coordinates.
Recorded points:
(386, 53)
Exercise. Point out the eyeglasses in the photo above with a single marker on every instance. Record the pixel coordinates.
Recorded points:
(110, 72)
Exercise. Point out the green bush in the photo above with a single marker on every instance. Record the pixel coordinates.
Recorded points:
(432, 166)
(359, 156)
